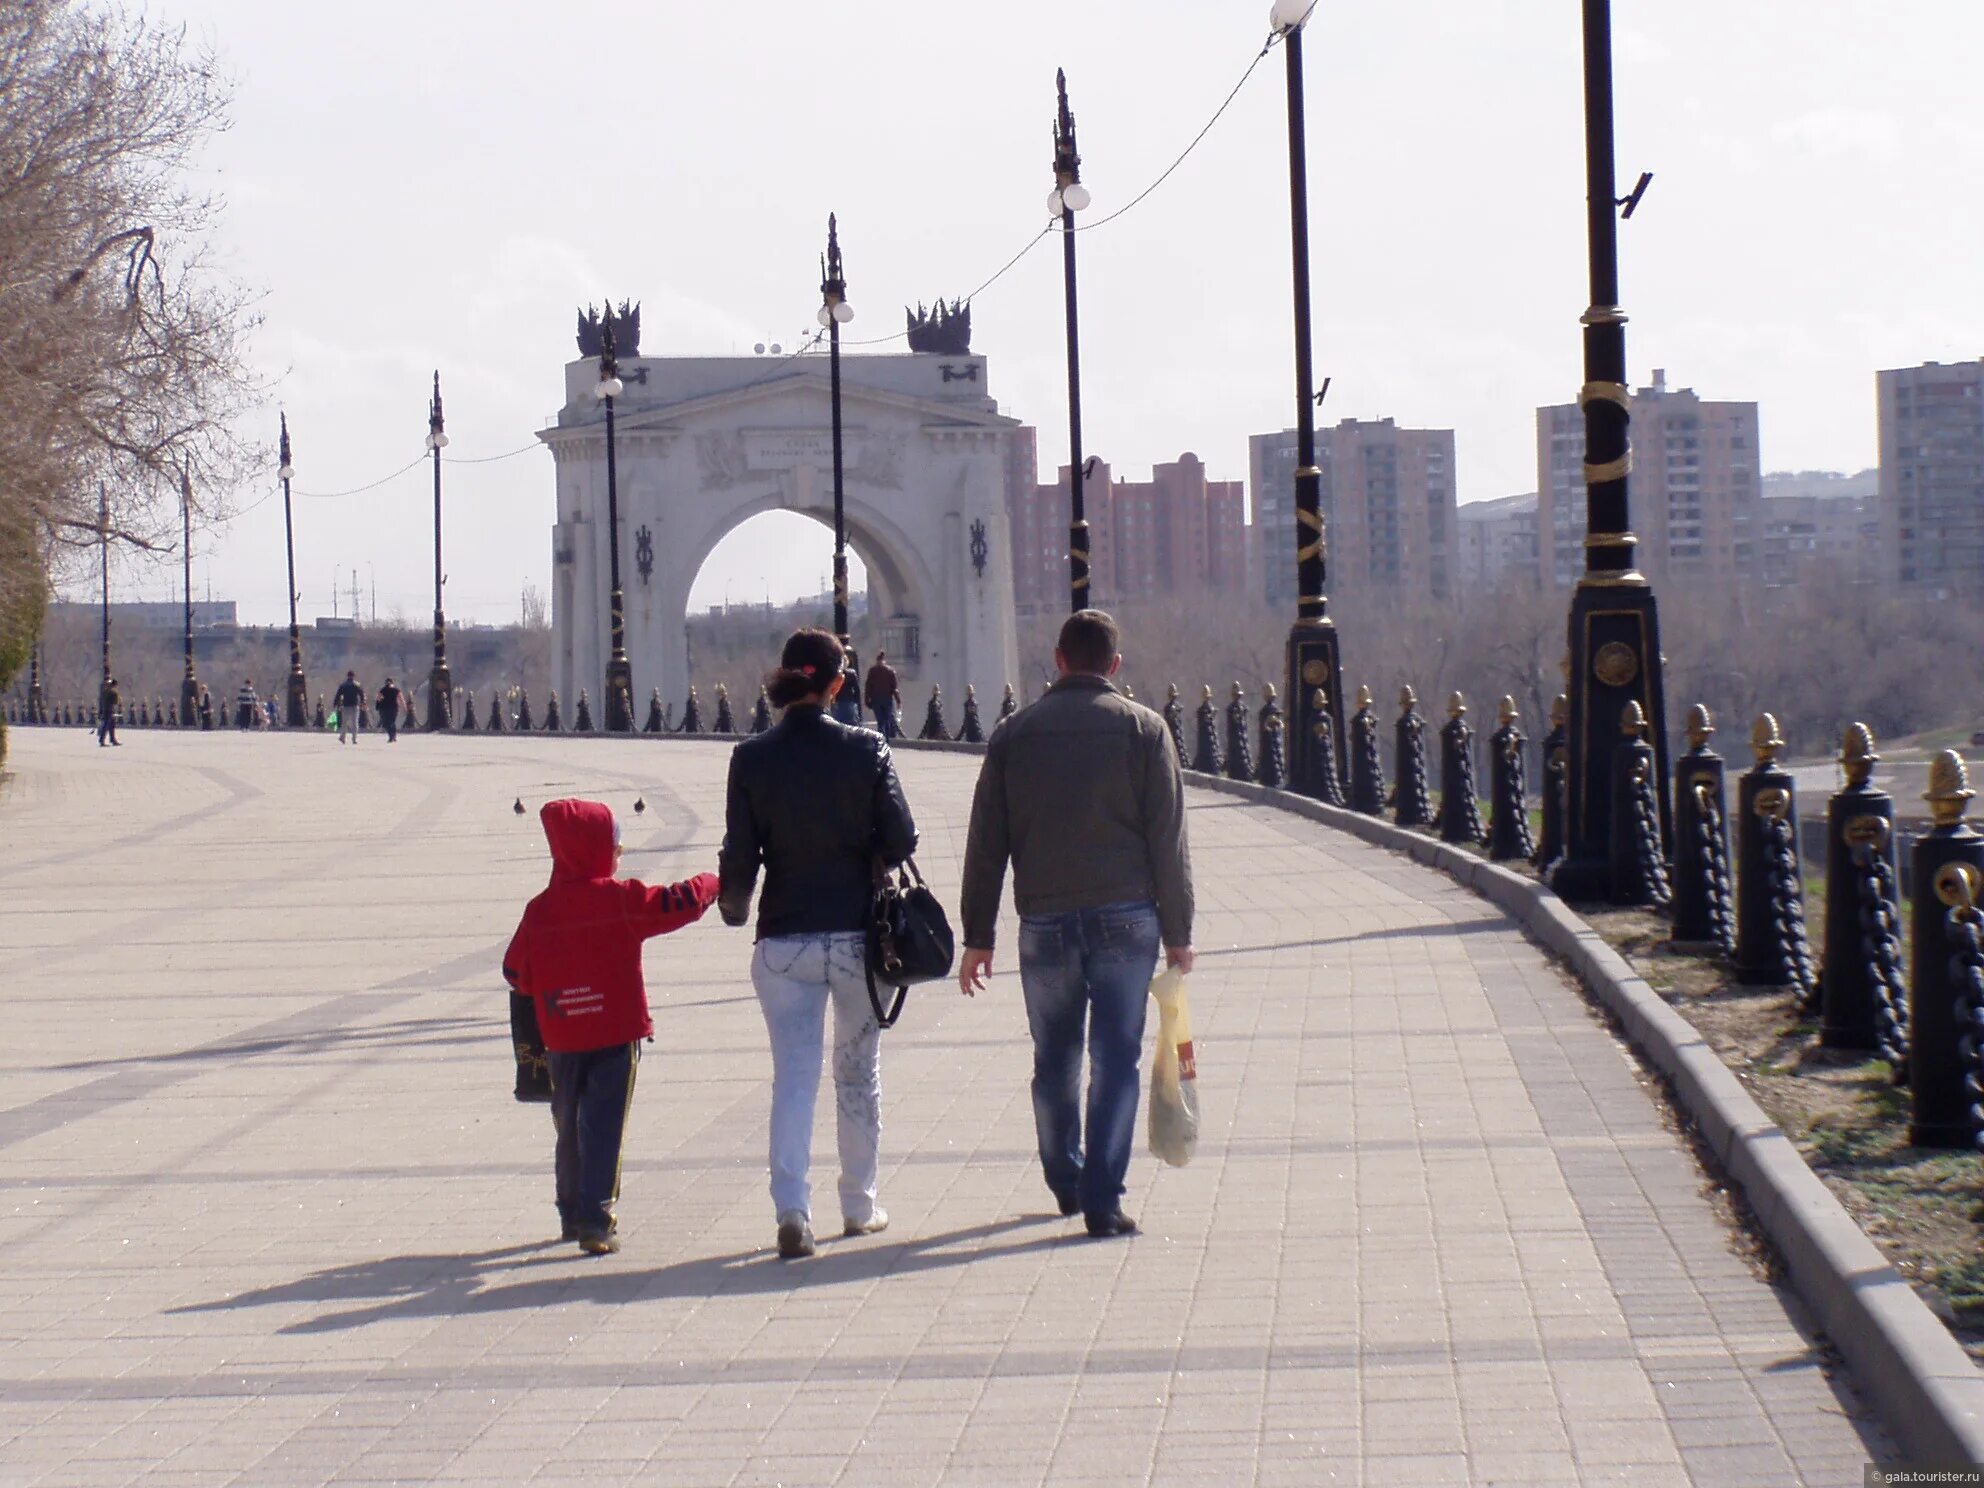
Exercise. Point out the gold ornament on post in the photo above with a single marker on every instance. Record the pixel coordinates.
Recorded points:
(1856, 755)
(1949, 794)
(1766, 740)
(1700, 727)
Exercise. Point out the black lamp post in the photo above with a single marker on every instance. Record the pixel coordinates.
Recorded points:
(1068, 197)
(103, 546)
(439, 695)
(295, 713)
(1315, 663)
(35, 714)
(1615, 626)
(835, 312)
(619, 673)
(189, 684)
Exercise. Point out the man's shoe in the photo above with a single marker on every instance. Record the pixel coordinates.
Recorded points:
(568, 1231)
(795, 1236)
(599, 1242)
(1109, 1226)
(874, 1224)
(1069, 1202)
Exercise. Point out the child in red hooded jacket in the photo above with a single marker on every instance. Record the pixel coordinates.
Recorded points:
(578, 953)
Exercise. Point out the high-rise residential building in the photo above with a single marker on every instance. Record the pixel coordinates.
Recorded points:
(1175, 533)
(1694, 486)
(1818, 525)
(1932, 474)
(1388, 502)
(1498, 545)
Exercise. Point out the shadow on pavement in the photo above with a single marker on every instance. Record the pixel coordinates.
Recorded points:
(417, 1286)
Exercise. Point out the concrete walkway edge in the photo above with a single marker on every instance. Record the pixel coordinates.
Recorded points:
(1927, 1389)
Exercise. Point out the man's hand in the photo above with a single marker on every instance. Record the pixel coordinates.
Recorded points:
(1181, 957)
(974, 972)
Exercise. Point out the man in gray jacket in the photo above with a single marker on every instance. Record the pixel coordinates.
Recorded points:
(1082, 791)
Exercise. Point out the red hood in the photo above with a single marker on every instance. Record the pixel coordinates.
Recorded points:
(581, 838)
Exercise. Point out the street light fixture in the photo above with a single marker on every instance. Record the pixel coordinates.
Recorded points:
(834, 313)
(189, 684)
(1068, 197)
(1315, 663)
(439, 695)
(619, 673)
(295, 713)
(1614, 623)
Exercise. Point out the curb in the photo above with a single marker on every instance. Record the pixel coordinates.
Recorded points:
(1904, 1360)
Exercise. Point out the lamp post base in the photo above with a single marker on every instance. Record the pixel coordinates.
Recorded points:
(440, 699)
(1315, 705)
(619, 696)
(297, 706)
(1615, 660)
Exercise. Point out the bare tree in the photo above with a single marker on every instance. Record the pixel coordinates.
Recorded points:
(120, 341)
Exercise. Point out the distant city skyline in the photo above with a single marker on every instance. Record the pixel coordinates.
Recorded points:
(1798, 236)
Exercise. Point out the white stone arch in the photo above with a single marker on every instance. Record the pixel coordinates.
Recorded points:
(705, 444)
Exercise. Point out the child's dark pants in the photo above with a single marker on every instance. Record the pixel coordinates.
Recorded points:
(590, 1096)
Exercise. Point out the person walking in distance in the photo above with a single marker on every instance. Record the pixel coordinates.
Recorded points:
(246, 705)
(1081, 791)
(817, 804)
(106, 713)
(388, 704)
(880, 693)
(349, 698)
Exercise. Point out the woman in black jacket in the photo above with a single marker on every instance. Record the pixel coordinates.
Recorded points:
(818, 805)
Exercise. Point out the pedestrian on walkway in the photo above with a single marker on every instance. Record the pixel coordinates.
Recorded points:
(1081, 790)
(245, 705)
(817, 804)
(577, 952)
(348, 700)
(388, 703)
(881, 695)
(106, 713)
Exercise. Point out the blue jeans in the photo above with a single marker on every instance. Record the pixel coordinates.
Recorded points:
(1086, 977)
(887, 719)
(590, 1096)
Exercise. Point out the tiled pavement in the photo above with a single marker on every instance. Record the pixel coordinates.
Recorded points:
(268, 1214)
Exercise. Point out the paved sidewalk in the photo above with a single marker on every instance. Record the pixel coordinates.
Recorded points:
(268, 1214)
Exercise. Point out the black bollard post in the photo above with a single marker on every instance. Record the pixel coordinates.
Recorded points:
(1556, 785)
(1205, 757)
(1274, 741)
(692, 715)
(726, 722)
(1771, 949)
(1860, 868)
(1704, 916)
(653, 724)
(1639, 872)
(972, 731)
(761, 714)
(469, 723)
(1324, 783)
(1367, 765)
(933, 717)
(1008, 705)
(1411, 805)
(1944, 999)
(582, 718)
(524, 722)
(551, 721)
(1174, 720)
(1509, 839)
(1239, 752)
(495, 723)
(1460, 813)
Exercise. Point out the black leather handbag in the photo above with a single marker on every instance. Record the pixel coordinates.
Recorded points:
(533, 1067)
(909, 938)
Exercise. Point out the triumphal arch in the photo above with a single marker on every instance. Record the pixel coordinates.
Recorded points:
(704, 443)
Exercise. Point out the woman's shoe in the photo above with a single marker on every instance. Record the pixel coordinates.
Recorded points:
(874, 1224)
(795, 1236)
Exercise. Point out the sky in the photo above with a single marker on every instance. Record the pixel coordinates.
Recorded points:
(415, 185)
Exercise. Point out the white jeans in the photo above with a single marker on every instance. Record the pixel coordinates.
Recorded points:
(795, 976)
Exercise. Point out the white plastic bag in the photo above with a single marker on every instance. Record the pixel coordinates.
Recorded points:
(1174, 1084)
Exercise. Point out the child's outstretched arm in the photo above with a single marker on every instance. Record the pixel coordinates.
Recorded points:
(664, 907)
